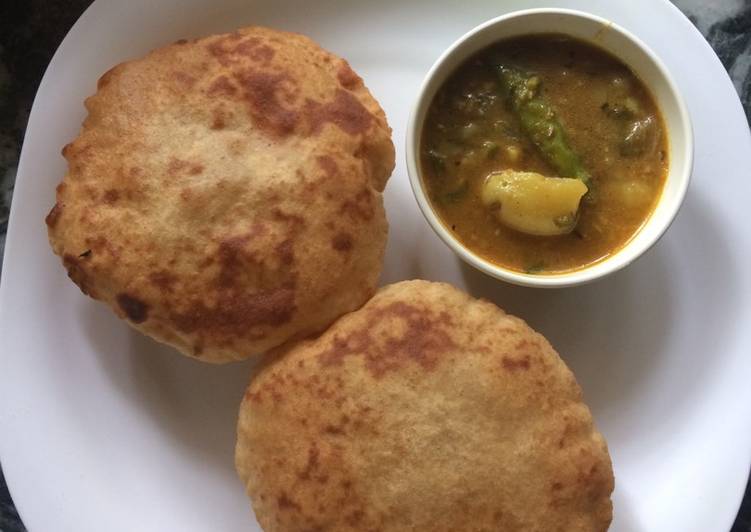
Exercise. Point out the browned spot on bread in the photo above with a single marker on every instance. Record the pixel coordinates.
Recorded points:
(97, 243)
(111, 196)
(255, 50)
(354, 518)
(176, 165)
(66, 149)
(347, 77)
(556, 486)
(263, 54)
(284, 251)
(328, 165)
(524, 345)
(252, 396)
(53, 215)
(136, 310)
(237, 309)
(245, 47)
(569, 429)
(513, 364)
(222, 86)
(218, 119)
(312, 463)
(422, 341)
(293, 219)
(333, 429)
(232, 259)
(163, 280)
(181, 41)
(235, 313)
(587, 471)
(184, 79)
(226, 47)
(360, 207)
(342, 242)
(217, 49)
(237, 147)
(345, 111)
(286, 503)
(179, 166)
(264, 93)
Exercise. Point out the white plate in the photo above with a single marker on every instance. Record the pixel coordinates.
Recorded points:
(103, 429)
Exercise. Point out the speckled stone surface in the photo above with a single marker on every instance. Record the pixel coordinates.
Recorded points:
(31, 30)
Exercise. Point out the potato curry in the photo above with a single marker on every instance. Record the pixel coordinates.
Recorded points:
(543, 154)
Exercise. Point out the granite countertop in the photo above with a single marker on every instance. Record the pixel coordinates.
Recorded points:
(31, 31)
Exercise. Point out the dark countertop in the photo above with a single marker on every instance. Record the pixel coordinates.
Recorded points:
(30, 32)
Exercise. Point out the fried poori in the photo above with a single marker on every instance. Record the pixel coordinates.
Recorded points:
(426, 410)
(224, 193)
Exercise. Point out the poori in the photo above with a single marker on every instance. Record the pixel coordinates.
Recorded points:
(224, 193)
(425, 410)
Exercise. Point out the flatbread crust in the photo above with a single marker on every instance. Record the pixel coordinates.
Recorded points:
(224, 194)
(425, 410)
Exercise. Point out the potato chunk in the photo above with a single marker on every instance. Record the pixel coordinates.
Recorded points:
(532, 203)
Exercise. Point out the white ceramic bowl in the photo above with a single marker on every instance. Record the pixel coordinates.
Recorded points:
(629, 49)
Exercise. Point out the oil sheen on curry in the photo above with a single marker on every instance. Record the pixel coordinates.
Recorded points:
(543, 154)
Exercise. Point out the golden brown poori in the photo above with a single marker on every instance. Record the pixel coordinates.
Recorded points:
(224, 193)
(425, 410)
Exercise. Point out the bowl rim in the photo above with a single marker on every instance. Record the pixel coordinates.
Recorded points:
(598, 269)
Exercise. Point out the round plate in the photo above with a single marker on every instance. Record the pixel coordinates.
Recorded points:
(104, 429)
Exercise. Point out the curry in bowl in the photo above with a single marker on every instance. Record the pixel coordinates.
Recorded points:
(543, 154)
